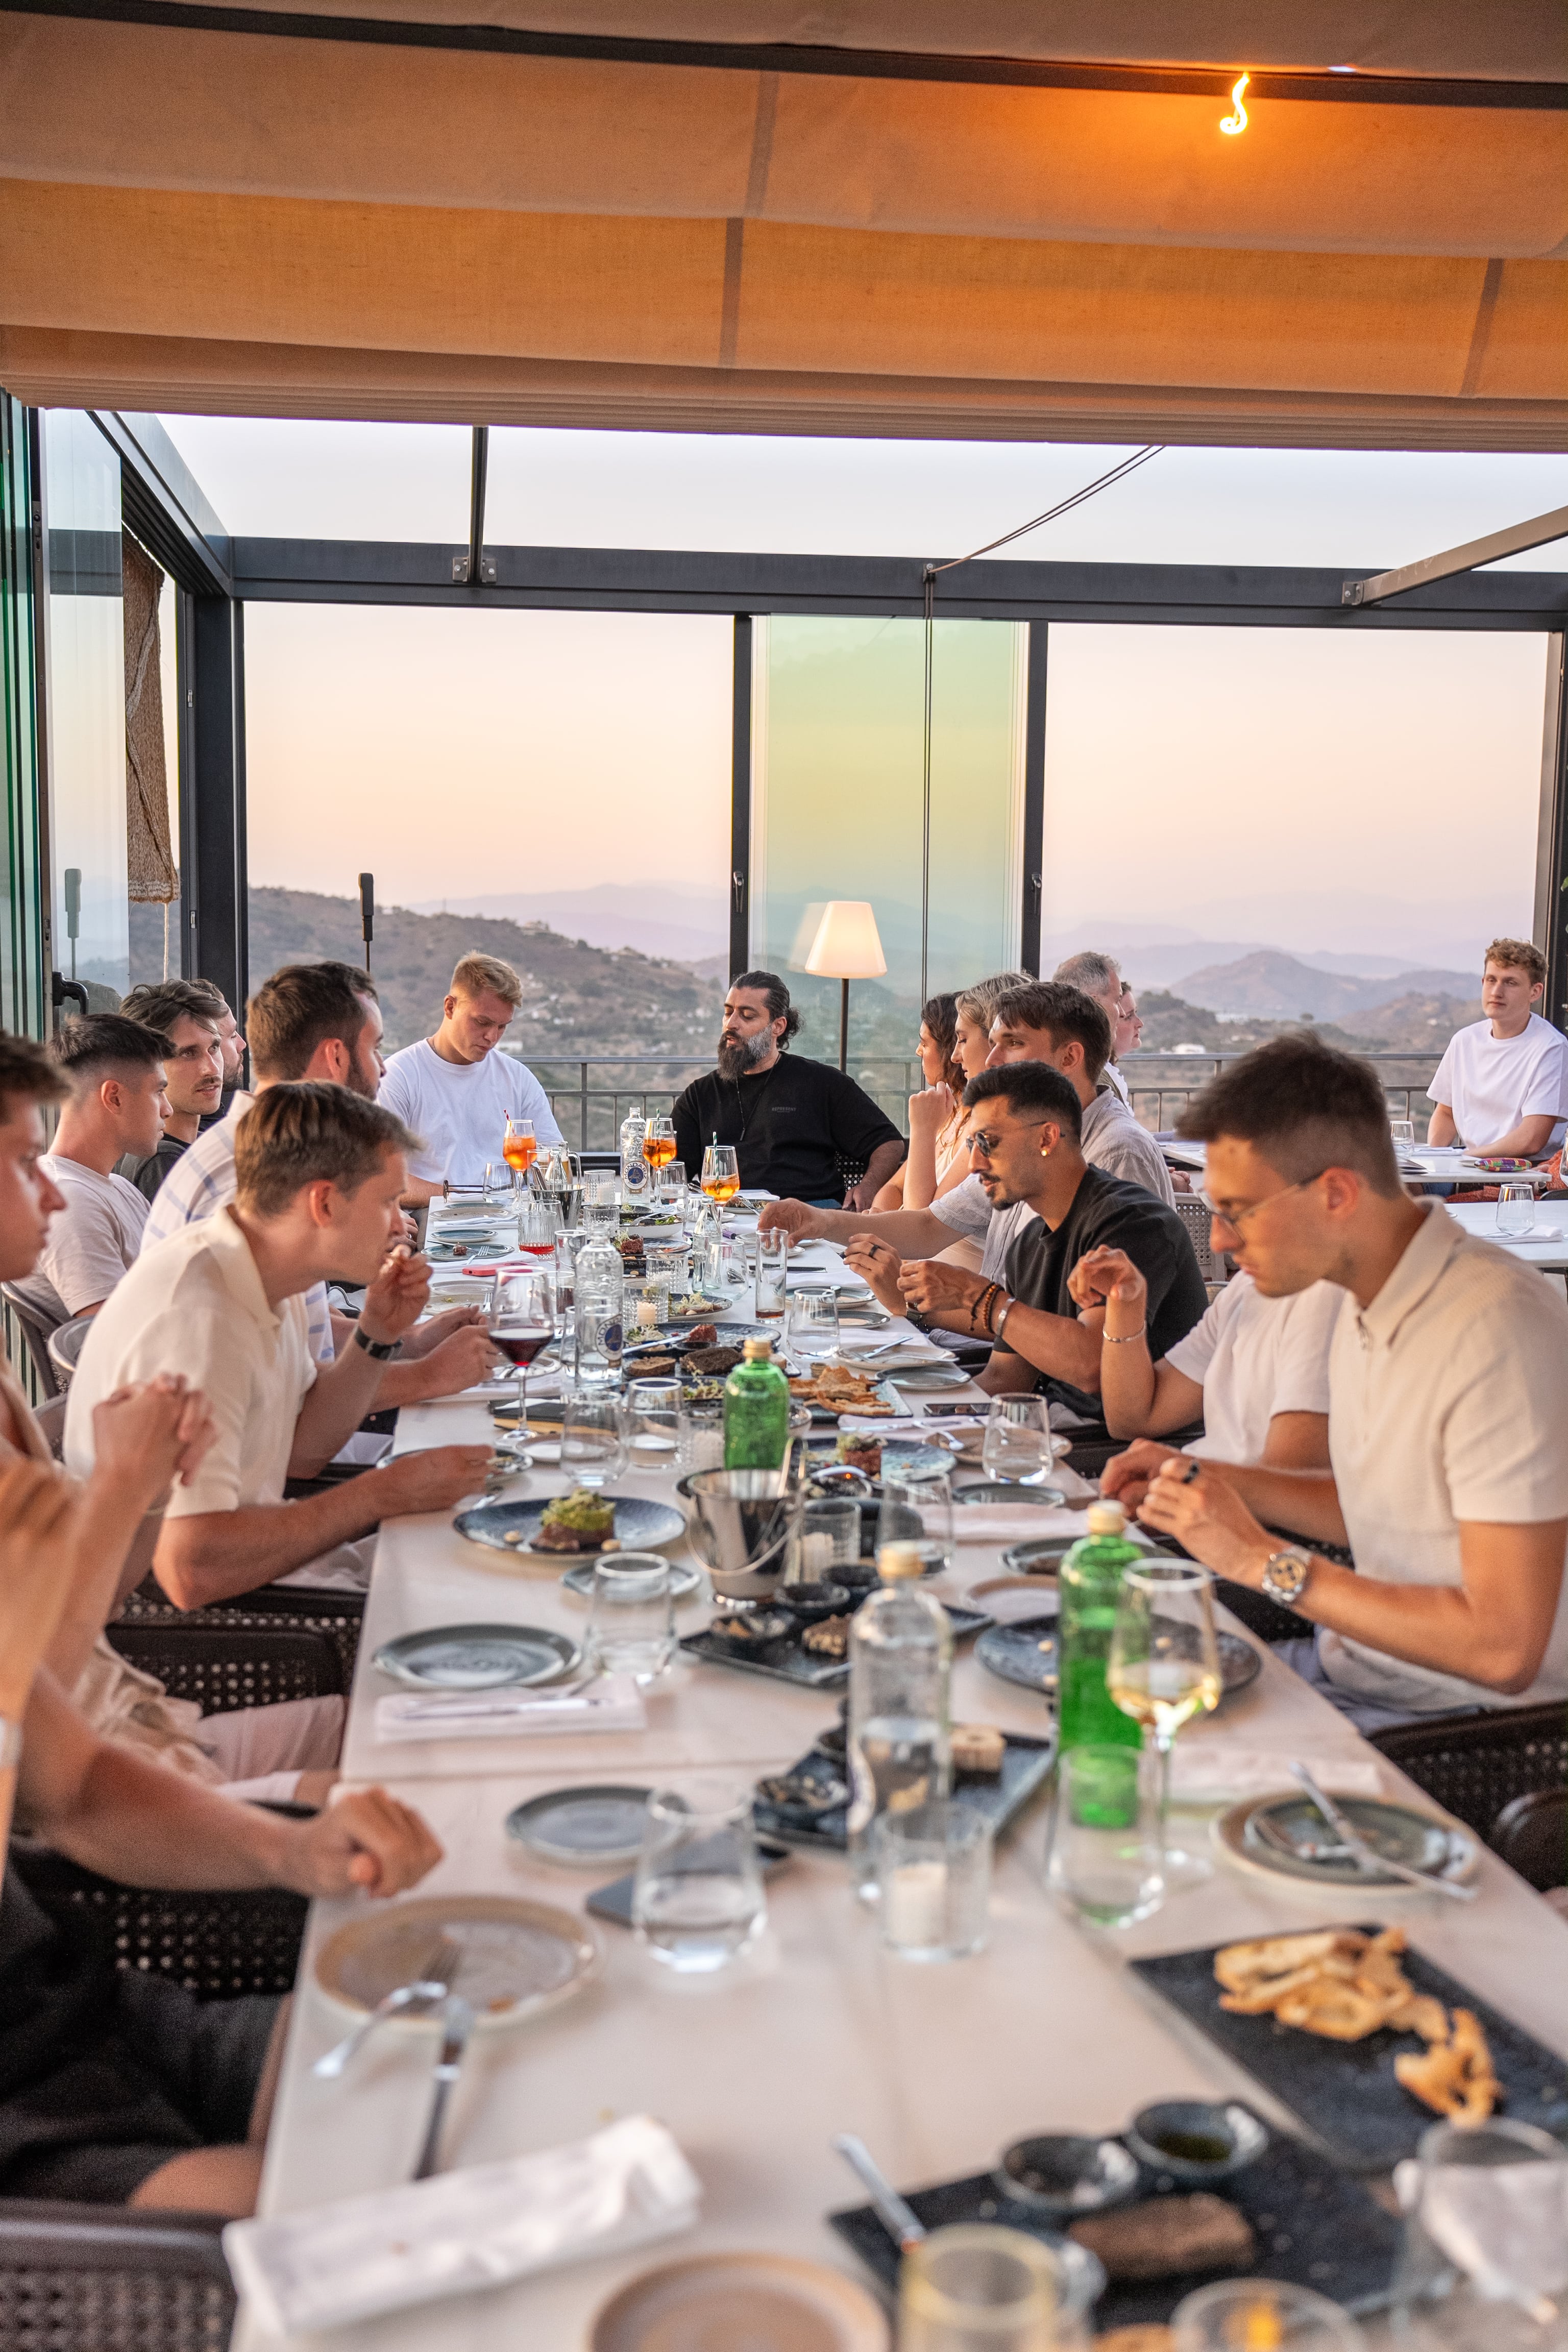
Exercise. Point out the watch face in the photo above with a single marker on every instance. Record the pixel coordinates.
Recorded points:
(1284, 1577)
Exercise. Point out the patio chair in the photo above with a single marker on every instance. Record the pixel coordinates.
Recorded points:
(224, 1669)
(216, 1943)
(50, 1417)
(35, 1329)
(1531, 1836)
(272, 1608)
(1475, 1765)
(101, 2278)
(66, 1343)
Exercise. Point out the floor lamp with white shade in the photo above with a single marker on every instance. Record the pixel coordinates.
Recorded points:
(846, 947)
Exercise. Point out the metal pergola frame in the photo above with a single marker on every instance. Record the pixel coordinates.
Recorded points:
(218, 575)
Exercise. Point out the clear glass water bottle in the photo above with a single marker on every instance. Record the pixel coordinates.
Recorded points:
(637, 1176)
(596, 1304)
(900, 1745)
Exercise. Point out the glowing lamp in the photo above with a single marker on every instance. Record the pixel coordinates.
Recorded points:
(846, 947)
(1234, 123)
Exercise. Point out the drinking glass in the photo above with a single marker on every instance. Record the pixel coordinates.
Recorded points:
(773, 1276)
(537, 1225)
(1162, 1669)
(1017, 1446)
(721, 1172)
(977, 2288)
(645, 1305)
(1104, 1857)
(812, 1326)
(933, 1868)
(631, 1621)
(1403, 1131)
(701, 1439)
(564, 1253)
(653, 1424)
(601, 1204)
(1485, 2258)
(830, 1540)
(521, 1319)
(592, 1437)
(499, 1184)
(1236, 2314)
(658, 1142)
(697, 1899)
(670, 1263)
(519, 1147)
(1516, 1208)
(672, 1183)
(917, 1509)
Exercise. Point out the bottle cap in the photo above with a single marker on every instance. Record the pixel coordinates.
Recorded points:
(1107, 1519)
(895, 1561)
(757, 1351)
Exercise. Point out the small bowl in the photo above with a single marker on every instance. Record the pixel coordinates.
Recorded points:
(765, 1629)
(1196, 2140)
(811, 1602)
(1065, 2176)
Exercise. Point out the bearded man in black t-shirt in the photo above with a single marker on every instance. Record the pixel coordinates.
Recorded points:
(1023, 1139)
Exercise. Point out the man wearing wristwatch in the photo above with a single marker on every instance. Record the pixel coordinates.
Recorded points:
(1447, 1403)
(318, 1173)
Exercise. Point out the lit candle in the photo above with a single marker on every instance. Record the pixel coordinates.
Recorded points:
(914, 1904)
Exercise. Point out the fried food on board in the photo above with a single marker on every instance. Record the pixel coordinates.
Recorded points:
(1456, 2077)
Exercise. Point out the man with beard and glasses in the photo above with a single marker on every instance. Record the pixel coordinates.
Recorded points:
(792, 1122)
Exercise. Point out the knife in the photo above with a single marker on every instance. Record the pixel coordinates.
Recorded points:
(1367, 1859)
(460, 2024)
(897, 2218)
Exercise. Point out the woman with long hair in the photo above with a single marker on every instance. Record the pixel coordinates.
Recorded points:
(954, 1041)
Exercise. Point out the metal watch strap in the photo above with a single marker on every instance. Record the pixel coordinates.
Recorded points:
(10, 1742)
(380, 1350)
(1286, 1589)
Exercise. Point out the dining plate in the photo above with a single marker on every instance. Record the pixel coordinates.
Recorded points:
(684, 1579)
(717, 2302)
(511, 1959)
(582, 1828)
(1009, 1490)
(1024, 1652)
(1406, 1834)
(1043, 1555)
(641, 1524)
(478, 1657)
(909, 1453)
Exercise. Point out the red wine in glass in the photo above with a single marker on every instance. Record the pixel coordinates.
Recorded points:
(521, 1347)
(522, 1323)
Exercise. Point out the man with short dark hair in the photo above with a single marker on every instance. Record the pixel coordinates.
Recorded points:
(1448, 1398)
(1502, 1087)
(230, 1039)
(1051, 1021)
(185, 1015)
(319, 1175)
(792, 1122)
(114, 1069)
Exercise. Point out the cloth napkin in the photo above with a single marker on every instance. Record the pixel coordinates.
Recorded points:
(362, 2257)
(1006, 1523)
(1213, 1772)
(612, 1704)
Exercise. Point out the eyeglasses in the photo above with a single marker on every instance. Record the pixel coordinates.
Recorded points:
(986, 1144)
(1234, 1221)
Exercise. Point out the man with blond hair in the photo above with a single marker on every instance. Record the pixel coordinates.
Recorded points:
(456, 1091)
(1501, 1089)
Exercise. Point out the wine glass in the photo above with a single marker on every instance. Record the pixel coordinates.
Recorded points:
(721, 1172)
(1164, 1668)
(519, 1147)
(521, 1320)
(659, 1143)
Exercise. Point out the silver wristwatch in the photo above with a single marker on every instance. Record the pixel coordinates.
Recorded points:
(1287, 1574)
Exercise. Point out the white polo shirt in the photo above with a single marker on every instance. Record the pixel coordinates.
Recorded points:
(1492, 1082)
(195, 1304)
(458, 1109)
(1254, 1356)
(90, 1242)
(1448, 1402)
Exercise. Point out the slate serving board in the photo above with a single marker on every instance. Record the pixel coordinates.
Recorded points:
(1025, 1766)
(789, 1661)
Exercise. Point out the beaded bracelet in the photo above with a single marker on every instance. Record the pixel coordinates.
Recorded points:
(983, 1303)
(1123, 1339)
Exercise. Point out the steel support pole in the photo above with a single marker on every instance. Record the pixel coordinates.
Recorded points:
(740, 803)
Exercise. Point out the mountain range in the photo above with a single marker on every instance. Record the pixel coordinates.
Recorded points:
(1273, 985)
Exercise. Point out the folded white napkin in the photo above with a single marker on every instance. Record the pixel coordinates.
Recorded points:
(1006, 1523)
(612, 1704)
(362, 2257)
(1211, 1772)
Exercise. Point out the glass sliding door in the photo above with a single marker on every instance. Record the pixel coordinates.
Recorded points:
(22, 996)
(837, 748)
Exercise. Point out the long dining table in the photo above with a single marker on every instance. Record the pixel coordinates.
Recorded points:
(818, 2029)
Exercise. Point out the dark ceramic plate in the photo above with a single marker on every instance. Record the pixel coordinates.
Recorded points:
(1024, 1652)
(789, 1661)
(1025, 1766)
(477, 1657)
(640, 1526)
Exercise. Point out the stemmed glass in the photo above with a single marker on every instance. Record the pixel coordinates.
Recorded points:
(519, 1145)
(721, 1172)
(1164, 1668)
(522, 1322)
(659, 1143)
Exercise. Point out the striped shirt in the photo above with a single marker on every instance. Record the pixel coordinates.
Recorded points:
(200, 1181)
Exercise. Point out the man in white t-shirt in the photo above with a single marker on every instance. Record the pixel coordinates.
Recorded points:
(1501, 1089)
(456, 1091)
(1447, 1398)
(114, 1069)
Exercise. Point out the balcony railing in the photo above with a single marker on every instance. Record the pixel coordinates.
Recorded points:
(591, 1094)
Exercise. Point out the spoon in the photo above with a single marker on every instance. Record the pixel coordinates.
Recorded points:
(424, 1990)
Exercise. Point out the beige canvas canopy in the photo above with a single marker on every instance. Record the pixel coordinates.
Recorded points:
(1007, 218)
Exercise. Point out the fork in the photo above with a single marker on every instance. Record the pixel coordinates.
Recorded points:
(1368, 1861)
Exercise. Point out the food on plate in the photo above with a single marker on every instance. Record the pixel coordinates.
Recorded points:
(1168, 2236)
(576, 1522)
(827, 1639)
(857, 1449)
(652, 1368)
(754, 1633)
(977, 1748)
(713, 1360)
(1454, 2078)
(703, 1335)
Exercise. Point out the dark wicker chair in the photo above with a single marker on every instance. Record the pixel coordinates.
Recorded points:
(224, 1668)
(216, 1943)
(90, 2278)
(1476, 1765)
(272, 1608)
(34, 1329)
(1531, 1836)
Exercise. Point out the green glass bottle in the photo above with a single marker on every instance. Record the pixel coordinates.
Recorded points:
(756, 1411)
(1091, 1581)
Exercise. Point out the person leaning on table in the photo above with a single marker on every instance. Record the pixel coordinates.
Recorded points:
(1448, 1404)
(1502, 1087)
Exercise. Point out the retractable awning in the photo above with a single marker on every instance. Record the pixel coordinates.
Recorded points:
(1005, 219)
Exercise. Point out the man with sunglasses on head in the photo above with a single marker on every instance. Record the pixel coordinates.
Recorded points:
(1447, 1398)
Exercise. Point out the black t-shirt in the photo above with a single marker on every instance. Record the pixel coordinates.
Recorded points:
(1107, 1211)
(149, 1174)
(791, 1124)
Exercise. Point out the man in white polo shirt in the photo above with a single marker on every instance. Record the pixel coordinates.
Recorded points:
(1501, 1089)
(318, 1174)
(114, 1069)
(1447, 1400)
(456, 1091)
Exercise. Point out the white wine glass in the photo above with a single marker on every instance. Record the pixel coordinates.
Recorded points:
(1164, 1668)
